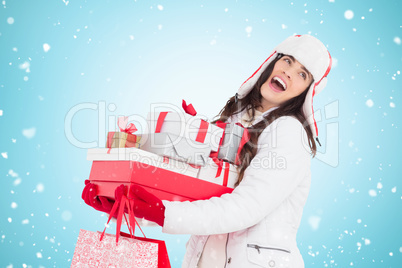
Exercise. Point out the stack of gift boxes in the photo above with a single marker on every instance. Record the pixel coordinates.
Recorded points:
(182, 157)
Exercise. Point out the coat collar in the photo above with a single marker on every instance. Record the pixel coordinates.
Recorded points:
(260, 117)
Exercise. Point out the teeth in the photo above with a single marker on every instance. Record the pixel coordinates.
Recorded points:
(280, 81)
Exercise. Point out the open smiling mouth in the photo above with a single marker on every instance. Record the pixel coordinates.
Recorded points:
(278, 84)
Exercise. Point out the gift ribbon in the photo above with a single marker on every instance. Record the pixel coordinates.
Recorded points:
(222, 125)
(110, 140)
(226, 174)
(219, 163)
(165, 160)
(194, 166)
(189, 109)
(122, 122)
(119, 205)
(159, 123)
(203, 129)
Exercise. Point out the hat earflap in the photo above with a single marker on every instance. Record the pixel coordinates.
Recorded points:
(321, 85)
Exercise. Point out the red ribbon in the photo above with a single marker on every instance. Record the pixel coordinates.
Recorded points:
(226, 174)
(244, 139)
(119, 205)
(122, 122)
(159, 123)
(109, 140)
(202, 131)
(188, 108)
(223, 126)
(219, 163)
(194, 166)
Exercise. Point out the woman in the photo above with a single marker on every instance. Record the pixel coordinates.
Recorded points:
(256, 225)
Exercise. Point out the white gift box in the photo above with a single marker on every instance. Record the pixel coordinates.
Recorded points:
(141, 156)
(176, 147)
(231, 142)
(228, 175)
(188, 126)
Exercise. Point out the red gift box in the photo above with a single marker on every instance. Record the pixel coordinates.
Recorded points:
(165, 184)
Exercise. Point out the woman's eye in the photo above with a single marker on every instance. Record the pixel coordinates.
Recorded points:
(303, 75)
(287, 60)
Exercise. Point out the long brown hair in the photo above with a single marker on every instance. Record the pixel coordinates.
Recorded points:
(292, 107)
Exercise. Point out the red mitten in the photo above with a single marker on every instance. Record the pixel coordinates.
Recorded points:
(147, 205)
(89, 195)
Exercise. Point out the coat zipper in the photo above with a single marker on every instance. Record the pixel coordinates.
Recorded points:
(226, 249)
(257, 247)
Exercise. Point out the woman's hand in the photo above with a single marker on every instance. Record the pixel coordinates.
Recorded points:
(89, 195)
(147, 205)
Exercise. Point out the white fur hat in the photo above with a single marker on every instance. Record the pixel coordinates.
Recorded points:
(311, 53)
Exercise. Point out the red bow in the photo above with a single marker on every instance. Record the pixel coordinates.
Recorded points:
(124, 127)
(188, 108)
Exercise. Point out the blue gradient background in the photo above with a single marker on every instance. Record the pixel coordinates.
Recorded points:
(132, 54)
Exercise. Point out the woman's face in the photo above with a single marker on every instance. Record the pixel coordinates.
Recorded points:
(288, 79)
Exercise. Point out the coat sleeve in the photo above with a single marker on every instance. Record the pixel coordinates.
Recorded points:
(281, 162)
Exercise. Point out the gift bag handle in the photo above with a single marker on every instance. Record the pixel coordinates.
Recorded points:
(119, 205)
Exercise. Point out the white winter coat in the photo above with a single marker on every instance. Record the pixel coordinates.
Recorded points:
(263, 213)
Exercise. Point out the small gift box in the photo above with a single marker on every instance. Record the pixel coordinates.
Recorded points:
(231, 142)
(125, 138)
(235, 136)
(122, 140)
(176, 147)
(186, 125)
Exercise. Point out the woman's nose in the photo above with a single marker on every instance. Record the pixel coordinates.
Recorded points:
(287, 73)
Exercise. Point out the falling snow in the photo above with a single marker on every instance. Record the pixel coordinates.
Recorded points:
(10, 20)
(12, 173)
(25, 66)
(349, 14)
(369, 103)
(249, 29)
(46, 47)
(29, 133)
(40, 188)
(314, 222)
